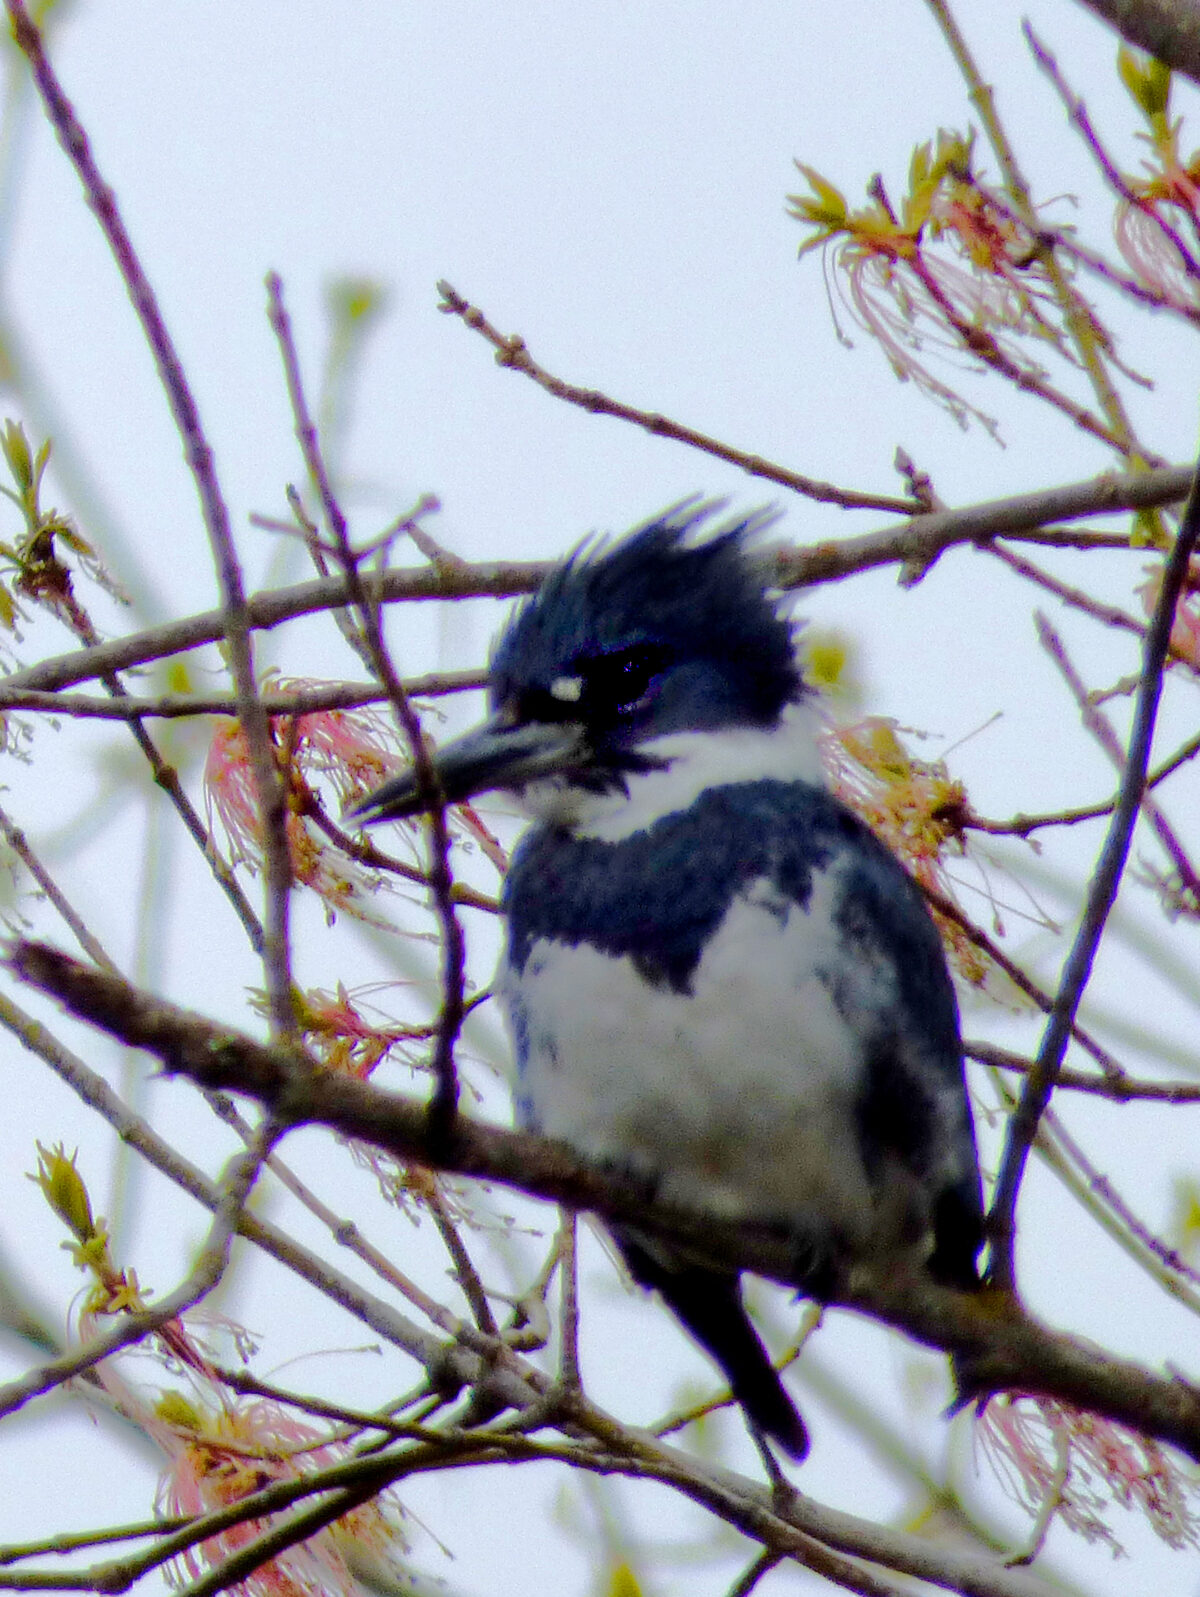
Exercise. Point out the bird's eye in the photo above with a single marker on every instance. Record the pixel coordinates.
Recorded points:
(621, 679)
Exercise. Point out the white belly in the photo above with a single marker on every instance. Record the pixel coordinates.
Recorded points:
(739, 1095)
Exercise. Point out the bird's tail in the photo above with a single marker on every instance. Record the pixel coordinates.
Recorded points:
(710, 1306)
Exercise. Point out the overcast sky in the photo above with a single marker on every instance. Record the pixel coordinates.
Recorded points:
(609, 182)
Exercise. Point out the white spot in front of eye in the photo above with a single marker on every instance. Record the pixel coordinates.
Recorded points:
(567, 690)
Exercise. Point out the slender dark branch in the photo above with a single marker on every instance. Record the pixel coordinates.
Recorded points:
(1121, 1090)
(19, 843)
(913, 544)
(1109, 615)
(488, 580)
(1100, 266)
(511, 351)
(1020, 979)
(566, 1246)
(465, 1272)
(1077, 113)
(1022, 825)
(444, 1104)
(1098, 724)
(371, 855)
(1102, 893)
(1008, 1350)
(235, 619)
(178, 706)
(353, 1421)
(1168, 29)
(1166, 1264)
(744, 1585)
(73, 1541)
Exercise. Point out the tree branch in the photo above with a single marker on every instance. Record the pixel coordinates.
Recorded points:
(1102, 894)
(1168, 29)
(914, 543)
(1008, 1349)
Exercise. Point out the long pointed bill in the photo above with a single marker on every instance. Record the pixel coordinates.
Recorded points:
(491, 756)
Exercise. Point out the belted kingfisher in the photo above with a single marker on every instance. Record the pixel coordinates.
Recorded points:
(715, 975)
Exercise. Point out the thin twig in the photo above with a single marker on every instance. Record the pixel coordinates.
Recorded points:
(1109, 614)
(1096, 1195)
(76, 1541)
(353, 1422)
(178, 706)
(465, 1273)
(236, 624)
(914, 543)
(754, 1572)
(444, 1103)
(1020, 979)
(1102, 892)
(1077, 114)
(1100, 266)
(511, 351)
(1022, 825)
(1098, 724)
(1121, 1090)
(1078, 318)
(1166, 1264)
(569, 1369)
(370, 854)
(17, 841)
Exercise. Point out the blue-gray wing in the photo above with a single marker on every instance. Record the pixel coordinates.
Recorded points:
(658, 898)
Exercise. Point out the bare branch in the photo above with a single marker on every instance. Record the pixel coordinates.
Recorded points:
(178, 706)
(1168, 29)
(441, 880)
(1098, 724)
(1124, 1089)
(1102, 892)
(1008, 1349)
(915, 544)
(235, 624)
(511, 351)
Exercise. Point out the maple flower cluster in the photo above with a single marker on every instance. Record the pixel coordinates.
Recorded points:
(347, 752)
(914, 806)
(1051, 1456)
(342, 754)
(1157, 225)
(950, 267)
(220, 1447)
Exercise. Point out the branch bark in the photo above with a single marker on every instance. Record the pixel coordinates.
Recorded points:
(1168, 29)
(913, 544)
(1007, 1349)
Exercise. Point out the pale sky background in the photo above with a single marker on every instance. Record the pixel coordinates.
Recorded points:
(608, 181)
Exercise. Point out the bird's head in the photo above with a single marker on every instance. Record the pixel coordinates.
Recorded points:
(669, 630)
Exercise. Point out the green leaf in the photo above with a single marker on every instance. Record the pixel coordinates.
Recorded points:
(16, 452)
(623, 1582)
(1148, 81)
(826, 206)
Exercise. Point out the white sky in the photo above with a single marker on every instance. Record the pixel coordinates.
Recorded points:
(608, 181)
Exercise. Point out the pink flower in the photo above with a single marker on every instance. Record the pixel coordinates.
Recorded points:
(350, 1035)
(1185, 629)
(915, 806)
(1040, 1448)
(218, 1456)
(345, 752)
